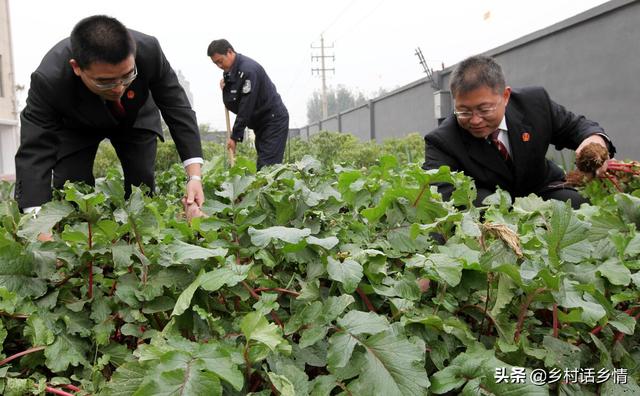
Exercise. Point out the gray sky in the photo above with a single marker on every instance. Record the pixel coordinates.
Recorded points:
(374, 40)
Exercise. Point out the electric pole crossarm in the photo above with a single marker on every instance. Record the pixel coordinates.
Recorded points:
(322, 71)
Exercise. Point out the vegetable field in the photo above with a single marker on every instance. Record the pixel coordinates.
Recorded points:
(314, 280)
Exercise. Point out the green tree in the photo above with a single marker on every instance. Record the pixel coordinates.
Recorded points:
(339, 99)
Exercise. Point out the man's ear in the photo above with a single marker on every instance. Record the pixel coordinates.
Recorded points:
(75, 67)
(506, 94)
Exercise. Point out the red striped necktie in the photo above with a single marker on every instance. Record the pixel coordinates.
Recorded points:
(117, 109)
(499, 145)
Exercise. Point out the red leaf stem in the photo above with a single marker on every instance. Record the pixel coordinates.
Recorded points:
(113, 288)
(620, 335)
(277, 289)
(14, 316)
(247, 362)
(90, 265)
(139, 243)
(274, 390)
(277, 319)
(17, 355)
(255, 295)
(72, 387)
(596, 330)
(629, 312)
(624, 166)
(523, 312)
(613, 180)
(57, 391)
(555, 320)
(237, 242)
(250, 290)
(344, 388)
(236, 303)
(481, 309)
(68, 277)
(366, 300)
(422, 190)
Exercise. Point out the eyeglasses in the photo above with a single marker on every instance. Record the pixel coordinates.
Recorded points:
(482, 112)
(104, 85)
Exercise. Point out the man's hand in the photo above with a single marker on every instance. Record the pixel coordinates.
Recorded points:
(231, 145)
(222, 83)
(192, 206)
(598, 140)
(194, 194)
(193, 211)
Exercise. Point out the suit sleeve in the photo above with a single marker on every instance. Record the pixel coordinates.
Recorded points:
(569, 129)
(175, 108)
(435, 157)
(248, 101)
(38, 149)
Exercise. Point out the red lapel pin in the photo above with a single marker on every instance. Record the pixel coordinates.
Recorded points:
(131, 94)
(526, 136)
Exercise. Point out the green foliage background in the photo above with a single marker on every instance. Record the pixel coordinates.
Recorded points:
(327, 147)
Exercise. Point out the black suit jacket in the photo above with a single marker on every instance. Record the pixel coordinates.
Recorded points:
(62, 116)
(534, 122)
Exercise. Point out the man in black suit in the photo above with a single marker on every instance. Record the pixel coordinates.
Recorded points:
(248, 92)
(500, 136)
(105, 81)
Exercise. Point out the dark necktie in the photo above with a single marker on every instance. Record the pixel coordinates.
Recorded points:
(499, 145)
(117, 109)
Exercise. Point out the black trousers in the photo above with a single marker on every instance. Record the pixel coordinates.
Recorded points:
(271, 139)
(136, 149)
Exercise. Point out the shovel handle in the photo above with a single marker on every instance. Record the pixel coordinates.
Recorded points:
(232, 153)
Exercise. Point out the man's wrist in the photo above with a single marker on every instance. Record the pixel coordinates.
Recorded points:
(608, 143)
(194, 177)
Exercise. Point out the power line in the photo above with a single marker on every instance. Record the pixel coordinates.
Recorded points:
(351, 27)
(339, 16)
(300, 66)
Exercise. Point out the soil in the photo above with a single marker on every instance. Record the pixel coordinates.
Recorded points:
(592, 157)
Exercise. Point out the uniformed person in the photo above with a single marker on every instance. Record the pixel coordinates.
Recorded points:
(248, 92)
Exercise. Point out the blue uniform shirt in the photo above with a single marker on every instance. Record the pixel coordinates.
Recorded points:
(249, 93)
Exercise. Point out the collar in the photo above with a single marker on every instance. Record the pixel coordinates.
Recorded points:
(503, 124)
(236, 64)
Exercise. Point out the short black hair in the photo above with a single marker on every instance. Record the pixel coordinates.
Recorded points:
(476, 72)
(220, 46)
(100, 38)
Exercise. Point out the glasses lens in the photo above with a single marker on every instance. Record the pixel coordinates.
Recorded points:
(486, 112)
(124, 81)
(482, 113)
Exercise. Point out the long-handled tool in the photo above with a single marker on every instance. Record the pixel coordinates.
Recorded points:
(232, 153)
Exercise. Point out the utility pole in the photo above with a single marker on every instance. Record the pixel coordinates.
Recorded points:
(442, 105)
(427, 70)
(322, 72)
